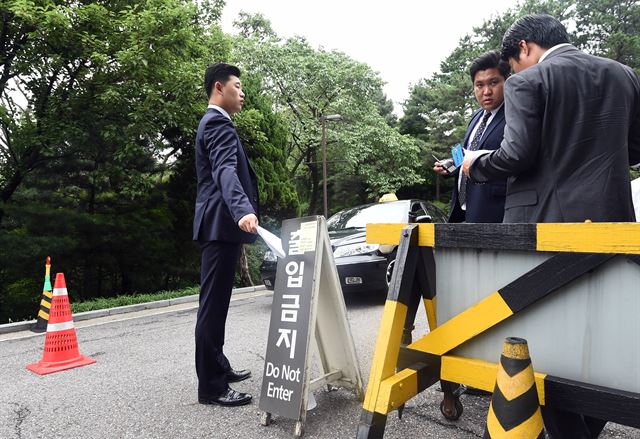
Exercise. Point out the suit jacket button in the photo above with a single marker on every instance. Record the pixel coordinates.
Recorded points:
(255, 199)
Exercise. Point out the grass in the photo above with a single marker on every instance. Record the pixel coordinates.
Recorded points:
(112, 302)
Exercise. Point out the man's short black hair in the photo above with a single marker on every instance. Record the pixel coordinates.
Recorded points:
(542, 29)
(490, 60)
(218, 72)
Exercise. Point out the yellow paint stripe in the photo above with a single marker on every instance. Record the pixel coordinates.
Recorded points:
(517, 351)
(531, 428)
(479, 374)
(44, 315)
(515, 386)
(47, 294)
(397, 390)
(45, 304)
(389, 234)
(466, 325)
(387, 349)
(589, 237)
(430, 308)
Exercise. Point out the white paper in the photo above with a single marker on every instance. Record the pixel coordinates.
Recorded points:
(273, 242)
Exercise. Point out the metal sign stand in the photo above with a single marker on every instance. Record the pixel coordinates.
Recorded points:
(308, 313)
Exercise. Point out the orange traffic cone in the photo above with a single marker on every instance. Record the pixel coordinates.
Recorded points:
(60, 345)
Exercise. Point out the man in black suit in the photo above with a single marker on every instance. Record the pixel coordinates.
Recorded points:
(572, 130)
(471, 202)
(226, 216)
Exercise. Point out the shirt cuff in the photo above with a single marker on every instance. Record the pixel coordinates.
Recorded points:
(475, 154)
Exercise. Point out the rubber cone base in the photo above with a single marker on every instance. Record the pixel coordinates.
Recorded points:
(44, 367)
(38, 330)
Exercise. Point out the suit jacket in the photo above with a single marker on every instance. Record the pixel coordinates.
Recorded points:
(227, 184)
(572, 128)
(485, 202)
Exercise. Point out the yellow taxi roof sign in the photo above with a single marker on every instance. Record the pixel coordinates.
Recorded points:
(388, 197)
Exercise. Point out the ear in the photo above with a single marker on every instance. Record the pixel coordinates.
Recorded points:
(218, 86)
(524, 48)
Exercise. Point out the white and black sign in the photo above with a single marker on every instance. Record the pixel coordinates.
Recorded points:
(284, 370)
(308, 315)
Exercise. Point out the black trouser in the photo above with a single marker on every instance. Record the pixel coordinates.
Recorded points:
(561, 424)
(218, 267)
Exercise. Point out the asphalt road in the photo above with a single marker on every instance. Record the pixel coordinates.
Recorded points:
(144, 384)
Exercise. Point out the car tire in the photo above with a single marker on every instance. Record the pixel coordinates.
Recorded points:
(391, 261)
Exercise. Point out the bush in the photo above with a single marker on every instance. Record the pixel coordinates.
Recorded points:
(21, 301)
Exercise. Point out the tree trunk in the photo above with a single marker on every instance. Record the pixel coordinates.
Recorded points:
(243, 269)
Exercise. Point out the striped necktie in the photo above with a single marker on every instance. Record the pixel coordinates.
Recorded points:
(462, 194)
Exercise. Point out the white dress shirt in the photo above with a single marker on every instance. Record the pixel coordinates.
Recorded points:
(551, 49)
(220, 109)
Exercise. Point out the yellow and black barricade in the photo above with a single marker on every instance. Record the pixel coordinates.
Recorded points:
(399, 372)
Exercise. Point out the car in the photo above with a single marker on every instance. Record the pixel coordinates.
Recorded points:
(364, 267)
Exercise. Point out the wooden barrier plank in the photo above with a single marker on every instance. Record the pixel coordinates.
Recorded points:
(620, 238)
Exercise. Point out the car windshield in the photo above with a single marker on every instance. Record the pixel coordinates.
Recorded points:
(359, 217)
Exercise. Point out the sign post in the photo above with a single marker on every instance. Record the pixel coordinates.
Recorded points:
(308, 315)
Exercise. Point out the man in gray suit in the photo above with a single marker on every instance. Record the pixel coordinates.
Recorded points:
(572, 130)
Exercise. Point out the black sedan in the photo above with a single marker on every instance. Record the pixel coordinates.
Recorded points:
(364, 267)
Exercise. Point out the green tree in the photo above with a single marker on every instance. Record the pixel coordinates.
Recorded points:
(97, 99)
(98, 75)
(307, 84)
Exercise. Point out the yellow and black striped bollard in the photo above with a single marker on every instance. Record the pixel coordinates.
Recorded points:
(515, 409)
(45, 302)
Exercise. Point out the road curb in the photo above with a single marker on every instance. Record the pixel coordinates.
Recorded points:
(87, 315)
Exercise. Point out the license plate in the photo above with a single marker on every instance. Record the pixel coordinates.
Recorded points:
(353, 280)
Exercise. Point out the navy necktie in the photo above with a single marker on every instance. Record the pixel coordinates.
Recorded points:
(462, 194)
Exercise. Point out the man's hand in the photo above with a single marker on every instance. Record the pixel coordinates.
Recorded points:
(249, 223)
(439, 167)
(466, 164)
(469, 157)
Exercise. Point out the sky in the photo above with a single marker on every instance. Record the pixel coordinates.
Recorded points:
(403, 40)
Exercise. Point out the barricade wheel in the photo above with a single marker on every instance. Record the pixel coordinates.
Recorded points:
(457, 411)
(265, 419)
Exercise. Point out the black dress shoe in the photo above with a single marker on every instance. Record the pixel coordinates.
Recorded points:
(228, 398)
(233, 376)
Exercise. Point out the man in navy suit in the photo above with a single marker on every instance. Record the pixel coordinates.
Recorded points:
(226, 216)
(482, 203)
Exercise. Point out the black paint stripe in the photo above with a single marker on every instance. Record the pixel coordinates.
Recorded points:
(402, 281)
(512, 413)
(547, 277)
(427, 365)
(426, 273)
(371, 425)
(487, 236)
(588, 399)
(634, 258)
(514, 365)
